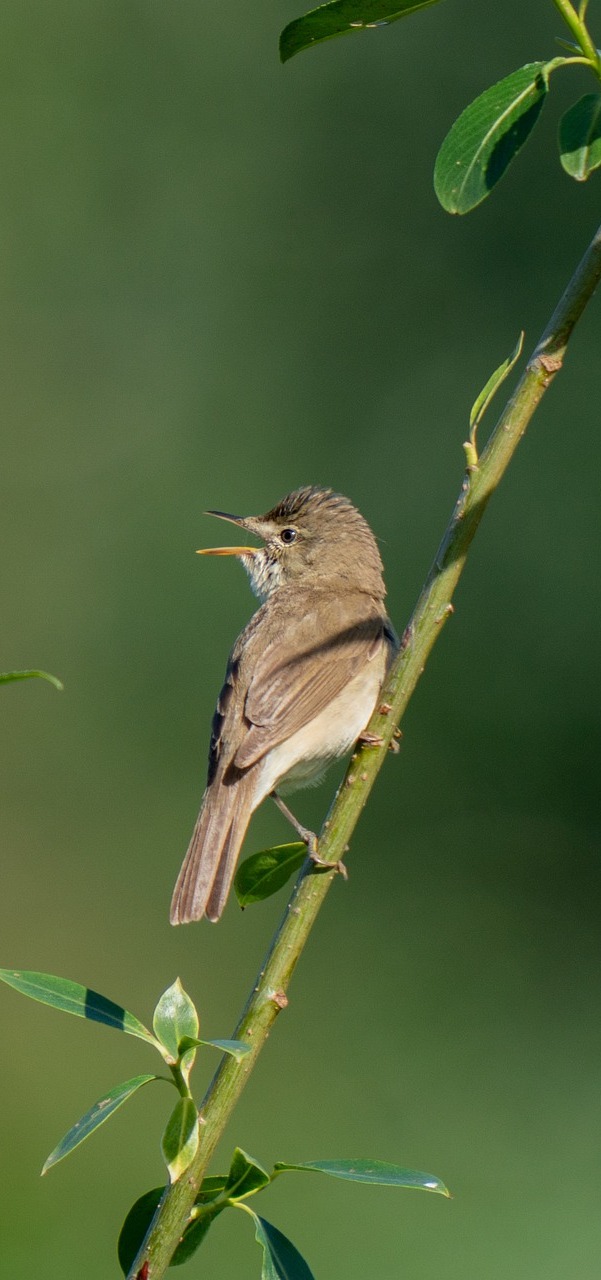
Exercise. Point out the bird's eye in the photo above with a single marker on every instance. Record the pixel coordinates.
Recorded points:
(288, 536)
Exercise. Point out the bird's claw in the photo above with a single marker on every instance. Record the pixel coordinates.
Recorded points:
(324, 865)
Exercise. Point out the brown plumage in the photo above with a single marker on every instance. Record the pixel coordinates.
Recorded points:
(302, 679)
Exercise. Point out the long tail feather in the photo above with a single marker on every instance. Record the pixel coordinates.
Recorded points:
(208, 868)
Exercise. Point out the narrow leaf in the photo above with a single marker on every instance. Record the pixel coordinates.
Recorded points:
(342, 17)
(490, 389)
(236, 1048)
(487, 136)
(6, 676)
(175, 1018)
(281, 1260)
(377, 1171)
(246, 1176)
(181, 1136)
(142, 1212)
(71, 997)
(96, 1116)
(261, 875)
(580, 137)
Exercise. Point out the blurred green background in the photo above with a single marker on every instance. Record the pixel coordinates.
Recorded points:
(222, 279)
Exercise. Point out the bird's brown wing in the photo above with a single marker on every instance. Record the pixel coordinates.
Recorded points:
(310, 658)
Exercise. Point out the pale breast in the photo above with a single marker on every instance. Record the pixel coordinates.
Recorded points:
(303, 758)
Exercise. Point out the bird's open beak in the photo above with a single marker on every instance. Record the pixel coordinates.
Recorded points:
(227, 551)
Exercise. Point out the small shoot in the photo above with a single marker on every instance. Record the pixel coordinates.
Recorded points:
(245, 1178)
(176, 1025)
(7, 676)
(482, 401)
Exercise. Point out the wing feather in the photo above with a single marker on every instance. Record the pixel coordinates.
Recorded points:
(310, 660)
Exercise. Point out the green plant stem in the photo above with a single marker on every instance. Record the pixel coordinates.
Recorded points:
(268, 995)
(579, 31)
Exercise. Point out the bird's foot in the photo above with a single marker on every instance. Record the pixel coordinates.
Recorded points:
(370, 739)
(324, 865)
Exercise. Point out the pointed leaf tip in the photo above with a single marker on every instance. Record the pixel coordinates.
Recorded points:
(98, 1113)
(175, 1019)
(381, 1172)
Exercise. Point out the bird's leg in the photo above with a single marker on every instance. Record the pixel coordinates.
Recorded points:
(308, 837)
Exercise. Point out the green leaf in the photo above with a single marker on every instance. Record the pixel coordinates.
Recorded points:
(580, 137)
(96, 1116)
(261, 875)
(135, 1227)
(195, 1232)
(246, 1176)
(237, 1048)
(71, 997)
(175, 1019)
(377, 1171)
(211, 1187)
(482, 402)
(142, 1212)
(341, 18)
(6, 676)
(487, 136)
(181, 1137)
(281, 1260)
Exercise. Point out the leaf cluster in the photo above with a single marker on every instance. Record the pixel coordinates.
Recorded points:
(490, 132)
(246, 1177)
(175, 1036)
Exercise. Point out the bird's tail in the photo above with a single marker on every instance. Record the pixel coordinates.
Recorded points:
(208, 868)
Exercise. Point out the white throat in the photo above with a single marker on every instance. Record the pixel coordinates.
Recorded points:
(264, 572)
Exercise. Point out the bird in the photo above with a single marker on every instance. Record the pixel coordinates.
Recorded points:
(301, 683)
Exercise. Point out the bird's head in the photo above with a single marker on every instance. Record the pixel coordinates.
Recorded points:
(313, 537)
